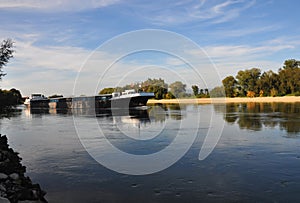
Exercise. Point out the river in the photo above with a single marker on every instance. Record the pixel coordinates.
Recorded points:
(250, 153)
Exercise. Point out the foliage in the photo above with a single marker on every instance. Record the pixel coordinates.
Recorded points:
(217, 92)
(195, 89)
(248, 80)
(250, 94)
(55, 96)
(107, 90)
(178, 89)
(169, 95)
(230, 85)
(268, 81)
(252, 82)
(289, 77)
(203, 93)
(158, 86)
(6, 52)
(273, 92)
(10, 97)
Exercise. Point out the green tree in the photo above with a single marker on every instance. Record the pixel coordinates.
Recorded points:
(291, 64)
(229, 84)
(107, 90)
(195, 90)
(217, 92)
(6, 52)
(157, 86)
(178, 89)
(289, 77)
(10, 98)
(248, 80)
(269, 83)
(56, 96)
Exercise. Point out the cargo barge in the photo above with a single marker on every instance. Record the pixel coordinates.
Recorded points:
(126, 99)
(37, 101)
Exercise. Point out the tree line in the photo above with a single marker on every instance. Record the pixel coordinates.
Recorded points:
(253, 83)
(159, 87)
(247, 83)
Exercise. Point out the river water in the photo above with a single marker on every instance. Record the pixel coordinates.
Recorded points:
(256, 157)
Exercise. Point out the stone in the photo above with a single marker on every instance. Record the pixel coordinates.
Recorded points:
(2, 188)
(14, 176)
(3, 176)
(4, 200)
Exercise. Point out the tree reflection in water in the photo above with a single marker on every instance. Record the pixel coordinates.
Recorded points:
(256, 116)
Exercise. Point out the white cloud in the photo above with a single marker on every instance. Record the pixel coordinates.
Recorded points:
(56, 5)
(231, 58)
(247, 31)
(172, 13)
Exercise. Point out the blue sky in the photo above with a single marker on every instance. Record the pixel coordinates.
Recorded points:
(54, 39)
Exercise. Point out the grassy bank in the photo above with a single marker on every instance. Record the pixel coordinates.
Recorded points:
(226, 100)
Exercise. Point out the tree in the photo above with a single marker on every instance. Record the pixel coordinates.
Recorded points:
(169, 95)
(178, 89)
(6, 52)
(56, 96)
(217, 92)
(229, 84)
(157, 86)
(107, 90)
(247, 80)
(291, 64)
(269, 81)
(250, 94)
(10, 98)
(289, 77)
(195, 90)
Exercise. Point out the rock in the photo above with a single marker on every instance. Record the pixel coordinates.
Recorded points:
(2, 188)
(3, 176)
(4, 200)
(14, 176)
(16, 187)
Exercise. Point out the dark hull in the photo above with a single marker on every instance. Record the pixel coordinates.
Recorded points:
(129, 102)
(39, 104)
(60, 103)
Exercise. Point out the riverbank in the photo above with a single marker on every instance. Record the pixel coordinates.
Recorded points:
(226, 100)
(14, 185)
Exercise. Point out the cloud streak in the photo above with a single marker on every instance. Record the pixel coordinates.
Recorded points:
(56, 5)
(191, 11)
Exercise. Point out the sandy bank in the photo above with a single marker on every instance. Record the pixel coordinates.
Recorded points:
(225, 100)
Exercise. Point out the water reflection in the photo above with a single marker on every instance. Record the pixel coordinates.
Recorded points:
(156, 113)
(10, 112)
(257, 116)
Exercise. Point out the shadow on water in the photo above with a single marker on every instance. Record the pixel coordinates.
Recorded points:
(10, 112)
(257, 116)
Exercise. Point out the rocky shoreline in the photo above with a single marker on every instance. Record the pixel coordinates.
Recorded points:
(14, 185)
